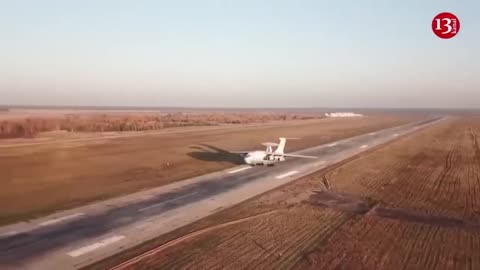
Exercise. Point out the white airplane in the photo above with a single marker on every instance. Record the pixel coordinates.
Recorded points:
(268, 157)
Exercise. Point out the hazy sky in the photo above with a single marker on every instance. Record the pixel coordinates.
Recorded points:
(238, 53)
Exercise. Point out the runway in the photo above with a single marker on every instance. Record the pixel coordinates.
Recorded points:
(78, 237)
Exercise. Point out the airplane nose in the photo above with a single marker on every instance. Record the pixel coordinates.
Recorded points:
(248, 160)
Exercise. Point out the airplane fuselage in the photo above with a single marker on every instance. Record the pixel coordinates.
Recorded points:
(269, 156)
(262, 158)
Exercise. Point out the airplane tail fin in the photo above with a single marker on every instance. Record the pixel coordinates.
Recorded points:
(281, 146)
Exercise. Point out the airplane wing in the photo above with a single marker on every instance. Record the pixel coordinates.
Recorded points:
(300, 156)
(289, 155)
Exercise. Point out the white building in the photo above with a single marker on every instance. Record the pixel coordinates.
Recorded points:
(343, 114)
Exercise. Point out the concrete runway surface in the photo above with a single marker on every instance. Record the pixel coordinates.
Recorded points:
(78, 237)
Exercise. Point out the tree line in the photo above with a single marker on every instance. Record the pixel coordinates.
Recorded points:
(29, 127)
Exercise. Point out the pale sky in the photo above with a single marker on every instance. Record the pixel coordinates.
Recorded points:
(238, 53)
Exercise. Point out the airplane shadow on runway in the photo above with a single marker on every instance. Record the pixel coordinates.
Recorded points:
(212, 153)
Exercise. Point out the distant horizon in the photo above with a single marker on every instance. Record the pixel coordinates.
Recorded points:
(126, 107)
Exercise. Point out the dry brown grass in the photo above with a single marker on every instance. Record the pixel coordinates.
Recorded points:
(39, 179)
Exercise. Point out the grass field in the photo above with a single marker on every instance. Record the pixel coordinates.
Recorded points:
(412, 204)
(40, 178)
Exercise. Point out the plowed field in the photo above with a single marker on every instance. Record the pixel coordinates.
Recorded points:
(411, 204)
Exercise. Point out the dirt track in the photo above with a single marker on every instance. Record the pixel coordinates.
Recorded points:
(413, 204)
(37, 180)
